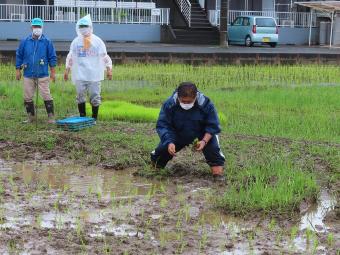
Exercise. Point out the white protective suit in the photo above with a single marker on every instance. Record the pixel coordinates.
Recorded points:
(87, 64)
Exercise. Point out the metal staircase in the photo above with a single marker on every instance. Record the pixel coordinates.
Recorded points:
(198, 30)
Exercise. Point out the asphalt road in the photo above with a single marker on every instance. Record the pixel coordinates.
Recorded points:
(174, 48)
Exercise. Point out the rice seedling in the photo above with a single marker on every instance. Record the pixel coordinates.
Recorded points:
(293, 102)
(120, 110)
(2, 216)
(330, 239)
(289, 101)
(49, 235)
(2, 190)
(273, 186)
(164, 202)
(181, 247)
(203, 241)
(12, 246)
(38, 220)
(315, 244)
(272, 225)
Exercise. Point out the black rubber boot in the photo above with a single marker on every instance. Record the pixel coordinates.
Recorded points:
(29, 108)
(82, 109)
(49, 107)
(30, 111)
(50, 111)
(95, 110)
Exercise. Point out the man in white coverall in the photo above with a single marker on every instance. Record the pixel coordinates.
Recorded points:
(87, 60)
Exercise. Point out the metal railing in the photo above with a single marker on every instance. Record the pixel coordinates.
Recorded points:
(185, 7)
(106, 4)
(51, 13)
(202, 3)
(283, 19)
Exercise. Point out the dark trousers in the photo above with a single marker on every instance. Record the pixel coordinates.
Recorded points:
(212, 153)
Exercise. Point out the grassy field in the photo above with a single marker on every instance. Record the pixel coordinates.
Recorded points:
(281, 126)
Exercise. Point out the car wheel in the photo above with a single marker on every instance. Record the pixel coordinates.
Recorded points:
(273, 45)
(248, 41)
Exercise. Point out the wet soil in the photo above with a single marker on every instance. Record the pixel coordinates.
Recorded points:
(54, 201)
(53, 207)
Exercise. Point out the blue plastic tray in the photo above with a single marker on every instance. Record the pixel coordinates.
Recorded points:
(75, 123)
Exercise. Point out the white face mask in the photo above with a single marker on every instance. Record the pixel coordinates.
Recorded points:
(85, 31)
(187, 106)
(37, 32)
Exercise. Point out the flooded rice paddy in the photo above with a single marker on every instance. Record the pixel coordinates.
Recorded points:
(59, 208)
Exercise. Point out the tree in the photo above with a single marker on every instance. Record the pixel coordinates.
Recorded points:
(224, 23)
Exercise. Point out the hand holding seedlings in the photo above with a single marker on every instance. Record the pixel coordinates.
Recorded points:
(189, 109)
(194, 143)
(200, 145)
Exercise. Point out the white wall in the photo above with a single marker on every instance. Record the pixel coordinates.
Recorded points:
(66, 31)
(297, 36)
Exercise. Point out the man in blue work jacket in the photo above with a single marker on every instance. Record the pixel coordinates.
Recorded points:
(35, 53)
(185, 116)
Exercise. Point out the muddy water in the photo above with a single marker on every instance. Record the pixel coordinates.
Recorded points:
(314, 217)
(156, 217)
(82, 180)
(109, 185)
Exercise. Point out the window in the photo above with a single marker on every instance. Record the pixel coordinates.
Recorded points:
(238, 21)
(246, 22)
(265, 22)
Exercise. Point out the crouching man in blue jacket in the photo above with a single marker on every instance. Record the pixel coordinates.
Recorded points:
(185, 116)
(35, 54)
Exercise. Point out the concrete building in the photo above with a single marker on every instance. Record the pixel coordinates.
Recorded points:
(172, 21)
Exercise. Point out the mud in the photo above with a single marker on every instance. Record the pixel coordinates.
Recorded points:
(53, 207)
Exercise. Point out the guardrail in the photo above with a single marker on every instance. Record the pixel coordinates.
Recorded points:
(283, 19)
(185, 7)
(51, 13)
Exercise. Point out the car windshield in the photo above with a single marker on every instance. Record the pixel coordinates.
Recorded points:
(265, 22)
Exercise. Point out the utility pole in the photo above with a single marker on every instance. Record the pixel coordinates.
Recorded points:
(224, 23)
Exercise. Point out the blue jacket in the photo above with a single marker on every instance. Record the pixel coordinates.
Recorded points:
(35, 56)
(177, 124)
